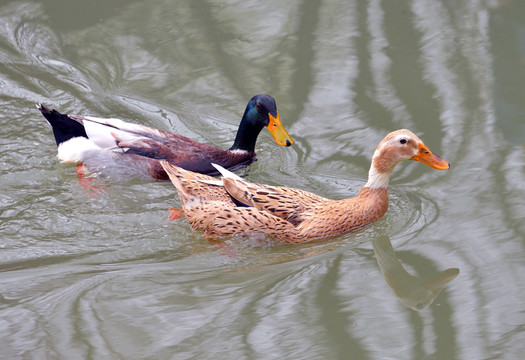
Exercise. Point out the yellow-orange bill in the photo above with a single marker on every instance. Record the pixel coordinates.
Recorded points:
(278, 131)
(427, 157)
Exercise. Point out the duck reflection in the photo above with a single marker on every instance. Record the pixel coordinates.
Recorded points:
(413, 292)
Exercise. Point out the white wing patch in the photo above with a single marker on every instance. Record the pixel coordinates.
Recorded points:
(227, 173)
(211, 182)
(104, 131)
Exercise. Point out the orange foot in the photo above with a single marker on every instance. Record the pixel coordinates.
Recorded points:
(81, 171)
(87, 183)
(175, 213)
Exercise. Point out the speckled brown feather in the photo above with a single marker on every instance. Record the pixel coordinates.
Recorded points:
(287, 214)
(194, 188)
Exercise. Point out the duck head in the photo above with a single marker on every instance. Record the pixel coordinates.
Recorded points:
(397, 146)
(260, 112)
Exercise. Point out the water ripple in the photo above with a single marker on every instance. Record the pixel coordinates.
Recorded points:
(105, 275)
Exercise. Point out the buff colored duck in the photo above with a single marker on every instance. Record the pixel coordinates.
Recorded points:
(112, 146)
(232, 205)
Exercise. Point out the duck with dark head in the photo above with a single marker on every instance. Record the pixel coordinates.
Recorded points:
(115, 147)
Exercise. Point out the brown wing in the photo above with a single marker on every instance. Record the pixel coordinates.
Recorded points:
(242, 220)
(181, 151)
(286, 203)
(162, 145)
(194, 188)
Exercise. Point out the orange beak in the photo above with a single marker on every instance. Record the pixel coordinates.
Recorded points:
(278, 132)
(427, 157)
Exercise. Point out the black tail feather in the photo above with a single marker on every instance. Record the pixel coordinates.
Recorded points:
(64, 127)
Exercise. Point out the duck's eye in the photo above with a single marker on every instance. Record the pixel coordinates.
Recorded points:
(403, 141)
(258, 106)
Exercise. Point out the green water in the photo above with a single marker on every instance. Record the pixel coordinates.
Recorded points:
(97, 272)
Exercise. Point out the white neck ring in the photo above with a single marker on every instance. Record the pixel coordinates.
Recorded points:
(377, 180)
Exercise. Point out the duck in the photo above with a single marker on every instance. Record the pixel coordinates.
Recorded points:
(231, 205)
(117, 148)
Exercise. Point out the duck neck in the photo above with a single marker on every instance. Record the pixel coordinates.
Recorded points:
(376, 179)
(374, 195)
(248, 132)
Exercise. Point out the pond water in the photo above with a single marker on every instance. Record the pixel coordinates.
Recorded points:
(96, 271)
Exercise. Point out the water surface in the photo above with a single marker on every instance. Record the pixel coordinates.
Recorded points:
(96, 271)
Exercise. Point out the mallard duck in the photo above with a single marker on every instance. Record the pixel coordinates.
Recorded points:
(232, 205)
(113, 146)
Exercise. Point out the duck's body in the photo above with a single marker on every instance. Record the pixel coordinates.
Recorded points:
(112, 145)
(235, 206)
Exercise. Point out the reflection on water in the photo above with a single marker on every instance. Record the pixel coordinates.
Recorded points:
(413, 292)
(107, 276)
